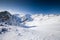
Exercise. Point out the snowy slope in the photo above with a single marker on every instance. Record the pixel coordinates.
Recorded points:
(37, 27)
(17, 33)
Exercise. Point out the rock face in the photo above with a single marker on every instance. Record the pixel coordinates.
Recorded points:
(4, 16)
(8, 19)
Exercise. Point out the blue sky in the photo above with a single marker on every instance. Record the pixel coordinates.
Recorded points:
(32, 6)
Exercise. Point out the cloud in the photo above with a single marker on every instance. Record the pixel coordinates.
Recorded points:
(45, 22)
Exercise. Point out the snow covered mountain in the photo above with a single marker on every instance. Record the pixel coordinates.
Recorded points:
(31, 27)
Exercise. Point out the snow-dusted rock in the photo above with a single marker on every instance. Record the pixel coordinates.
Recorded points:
(47, 27)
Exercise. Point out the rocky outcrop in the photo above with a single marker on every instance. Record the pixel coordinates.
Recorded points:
(4, 16)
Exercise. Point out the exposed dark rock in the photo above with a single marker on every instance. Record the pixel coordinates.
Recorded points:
(1, 25)
(4, 16)
(3, 30)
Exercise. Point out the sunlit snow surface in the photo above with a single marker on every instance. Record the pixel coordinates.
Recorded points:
(39, 27)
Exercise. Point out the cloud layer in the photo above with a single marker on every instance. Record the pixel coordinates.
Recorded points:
(45, 22)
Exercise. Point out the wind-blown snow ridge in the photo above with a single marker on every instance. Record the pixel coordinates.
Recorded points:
(47, 27)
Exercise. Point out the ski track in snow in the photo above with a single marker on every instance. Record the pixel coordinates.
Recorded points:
(46, 28)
